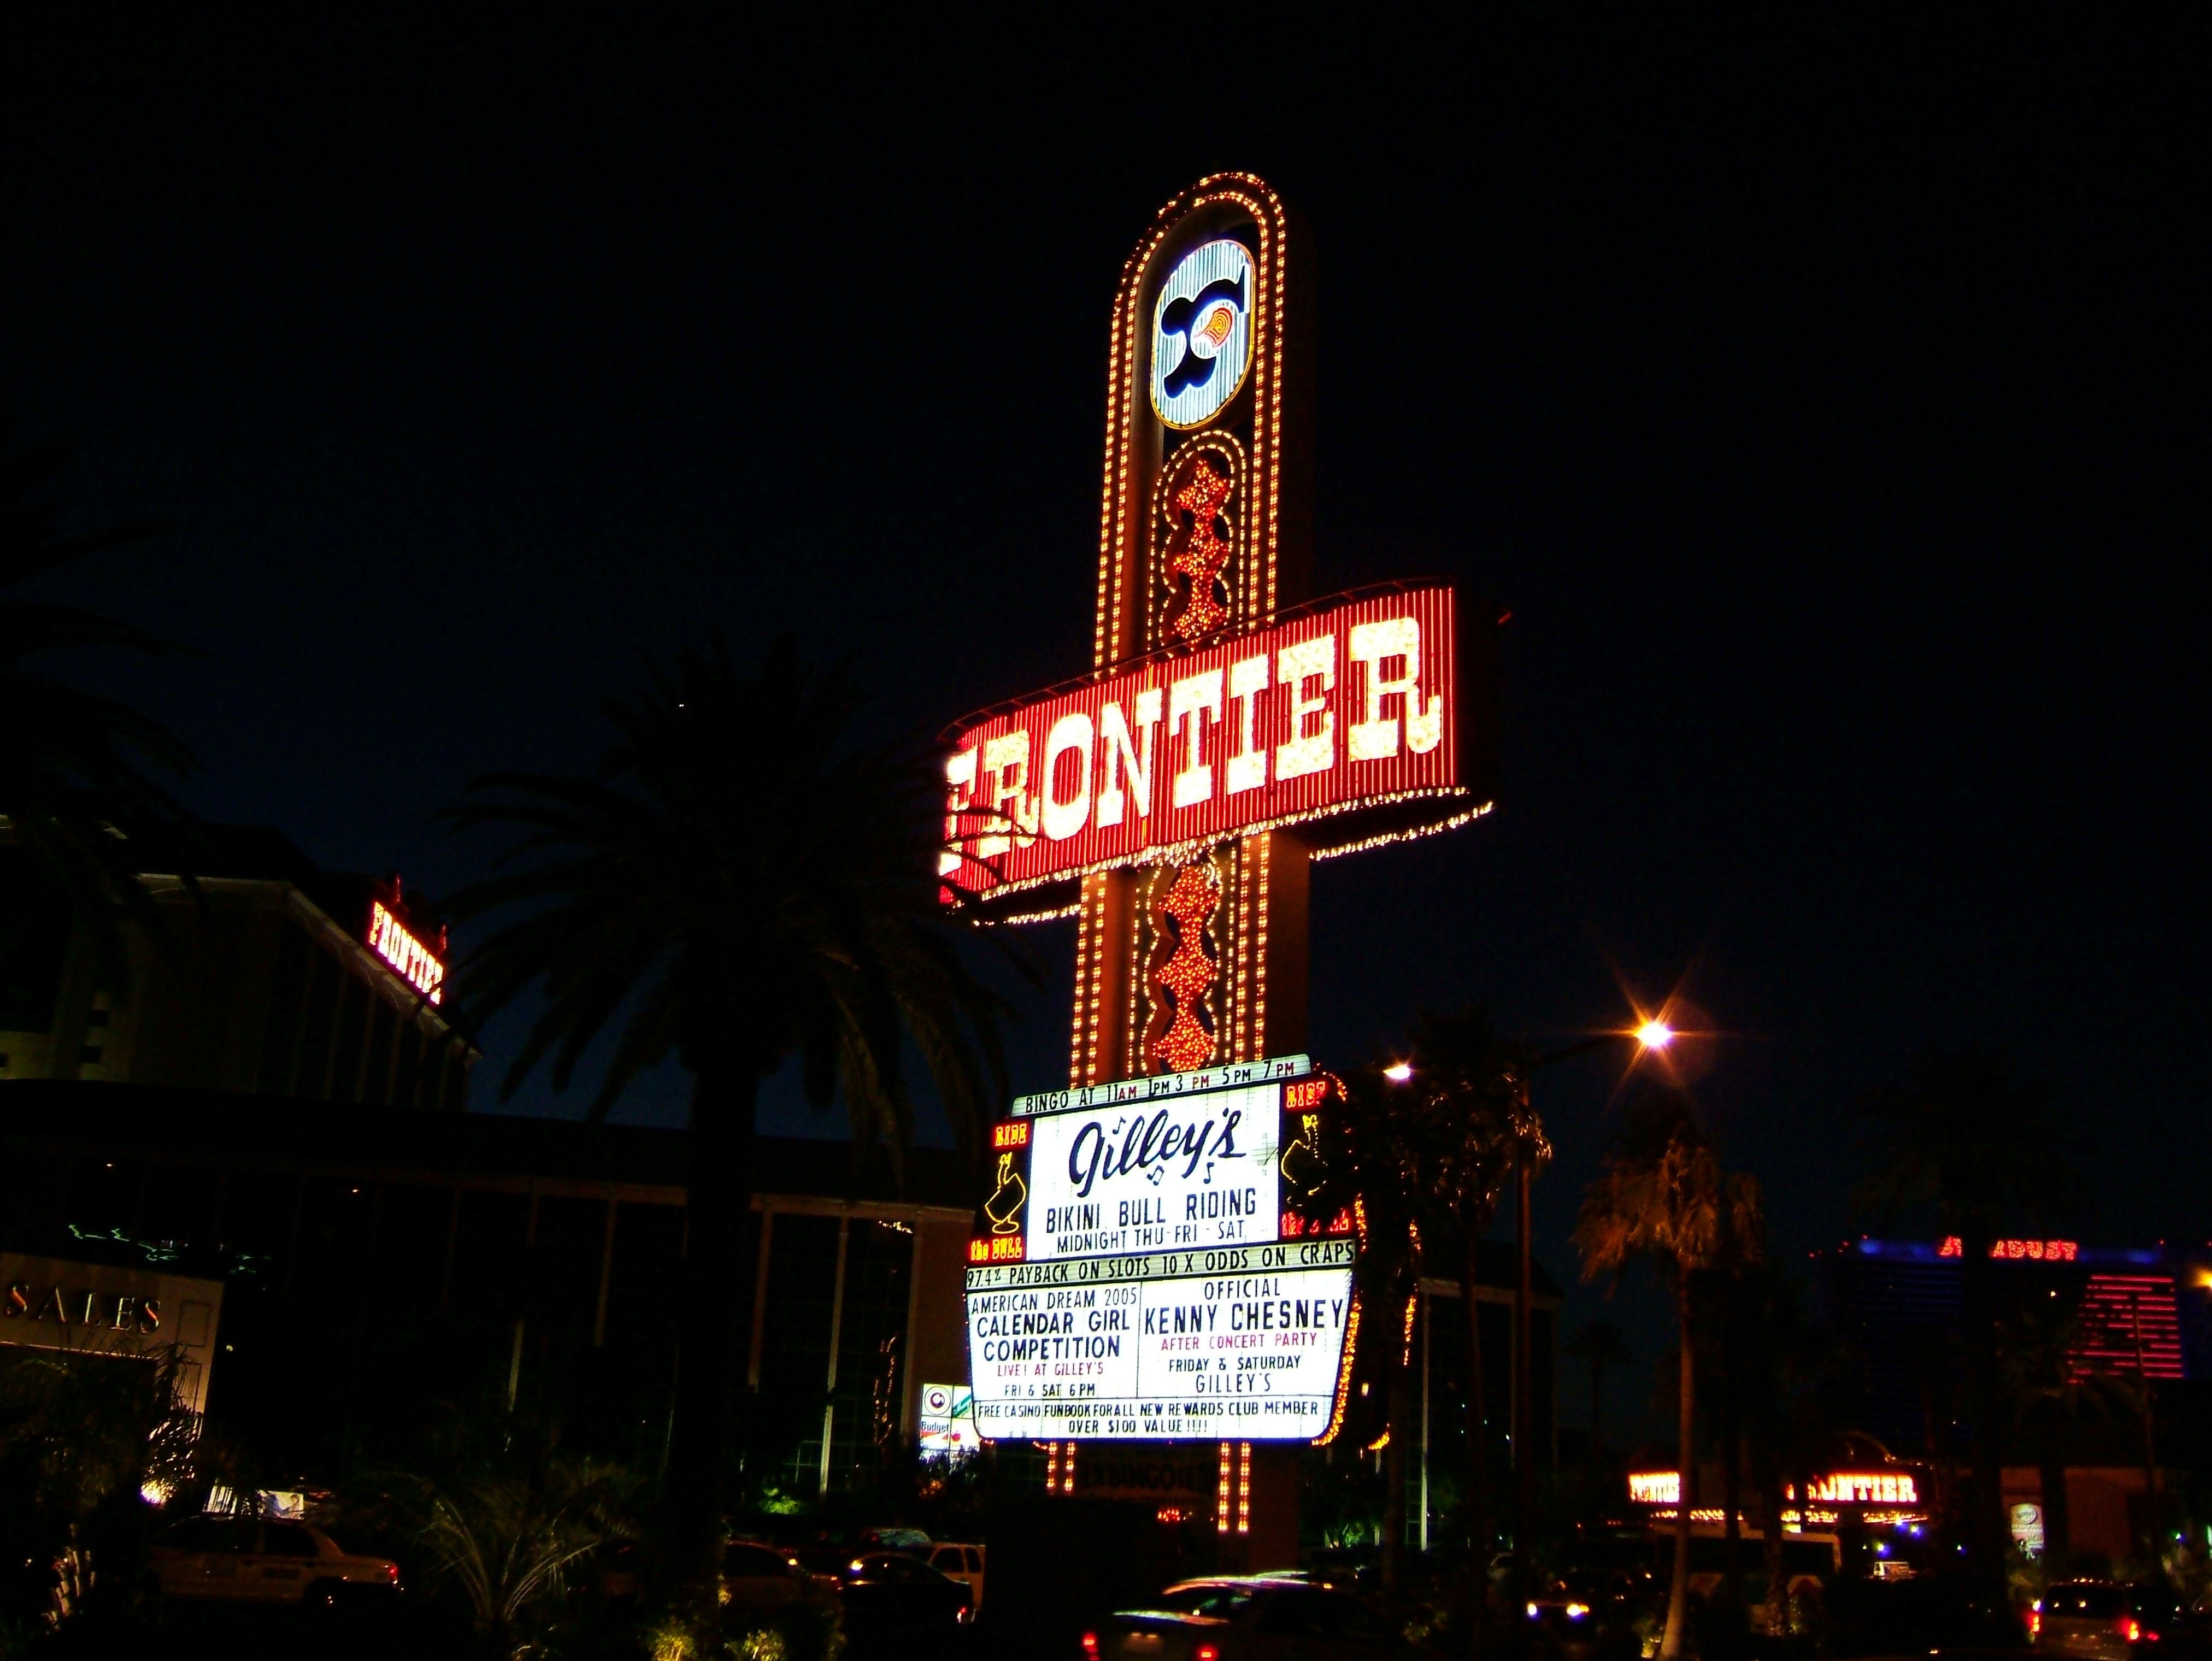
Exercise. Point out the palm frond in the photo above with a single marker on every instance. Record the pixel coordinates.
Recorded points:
(81, 764)
(707, 893)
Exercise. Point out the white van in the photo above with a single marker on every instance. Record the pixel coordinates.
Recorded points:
(964, 1563)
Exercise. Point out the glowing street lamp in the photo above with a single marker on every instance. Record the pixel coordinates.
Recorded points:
(1399, 1071)
(1652, 1036)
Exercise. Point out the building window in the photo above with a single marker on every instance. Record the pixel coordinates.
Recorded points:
(353, 1021)
(376, 1082)
(34, 933)
(281, 1044)
(408, 1083)
(322, 987)
(90, 1054)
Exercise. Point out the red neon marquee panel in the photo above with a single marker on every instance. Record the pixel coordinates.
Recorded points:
(2129, 1324)
(1347, 708)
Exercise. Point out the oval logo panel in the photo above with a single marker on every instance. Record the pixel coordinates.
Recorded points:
(1202, 333)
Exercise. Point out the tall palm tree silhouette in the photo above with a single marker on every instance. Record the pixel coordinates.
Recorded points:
(1662, 1194)
(741, 882)
(1477, 1124)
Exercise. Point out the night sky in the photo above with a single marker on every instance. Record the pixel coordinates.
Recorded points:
(1826, 405)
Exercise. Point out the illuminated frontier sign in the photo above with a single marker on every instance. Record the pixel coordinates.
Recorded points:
(1861, 1487)
(1230, 728)
(1141, 1269)
(1347, 708)
(413, 961)
(1837, 1487)
(1145, 1264)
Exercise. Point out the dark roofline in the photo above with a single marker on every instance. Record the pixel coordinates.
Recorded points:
(262, 853)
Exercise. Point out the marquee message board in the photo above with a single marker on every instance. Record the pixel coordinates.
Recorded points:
(1247, 1343)
(1348, 709)
(1143, 1268)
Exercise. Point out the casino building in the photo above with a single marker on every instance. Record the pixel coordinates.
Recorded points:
(275, 978)
(371, 1260)
(263, 1155)
(268, 1143)
(2142, 1314)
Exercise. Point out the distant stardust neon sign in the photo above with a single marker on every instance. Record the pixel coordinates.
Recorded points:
(2037, 1251)
(1347, 708)
(413, 961)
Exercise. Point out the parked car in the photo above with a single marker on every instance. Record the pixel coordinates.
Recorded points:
(249, 1559)
(890, 1592)
(762, 1580)
(826, 1563)
(2105, 1620)
(1247, 1618)
(964, 1563)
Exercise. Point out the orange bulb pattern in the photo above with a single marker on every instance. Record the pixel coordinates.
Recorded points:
(1196, 551)
(1179, 983)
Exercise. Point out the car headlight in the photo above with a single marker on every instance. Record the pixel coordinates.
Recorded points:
(1575, 1611)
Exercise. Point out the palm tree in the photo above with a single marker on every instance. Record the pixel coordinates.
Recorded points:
(79, 765)
(1598, 1345)
(2048, 1395)
(1796, 1390)
(1476, 1123)
(81, 1438)
(1731, 1309)
(1664, 1195)
(1962, 1136)
(504, 1514)
(742, 883)
(1375, 1166)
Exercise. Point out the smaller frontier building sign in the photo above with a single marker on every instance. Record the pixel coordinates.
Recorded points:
(1140, 1269)
(412, 961)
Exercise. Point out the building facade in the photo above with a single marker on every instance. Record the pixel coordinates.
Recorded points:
(269, 976)
(2121, 1330)
(376, 1260)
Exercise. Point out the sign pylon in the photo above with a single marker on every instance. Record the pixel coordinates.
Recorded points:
(1230, 730)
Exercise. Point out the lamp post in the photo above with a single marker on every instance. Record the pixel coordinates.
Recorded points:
(1651, 1037)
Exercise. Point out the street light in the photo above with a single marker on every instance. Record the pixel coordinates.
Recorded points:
(1652, 1036)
